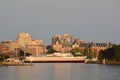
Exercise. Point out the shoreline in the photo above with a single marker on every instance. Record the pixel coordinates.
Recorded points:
(109, 62)
(14, 64)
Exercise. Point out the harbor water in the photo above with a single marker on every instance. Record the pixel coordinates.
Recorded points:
(61, 71)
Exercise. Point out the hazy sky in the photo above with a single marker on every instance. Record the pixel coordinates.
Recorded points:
(90, 20)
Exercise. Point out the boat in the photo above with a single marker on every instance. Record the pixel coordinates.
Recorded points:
(46, 59)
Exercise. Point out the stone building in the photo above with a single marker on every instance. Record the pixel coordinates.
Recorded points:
(25, 43)
(62, 43)
(29, 45)
(77, 42)
(23, 39)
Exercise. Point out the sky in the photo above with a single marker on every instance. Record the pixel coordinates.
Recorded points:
(89, 20)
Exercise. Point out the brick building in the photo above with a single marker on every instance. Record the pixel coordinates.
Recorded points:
(95, 47)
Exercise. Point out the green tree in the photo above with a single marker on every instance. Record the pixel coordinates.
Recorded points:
(3, 57)
(101, 55)
(116, 52)
(21, 54)
(91, 54)
(112, 53)
(76, 52)
(51, 51)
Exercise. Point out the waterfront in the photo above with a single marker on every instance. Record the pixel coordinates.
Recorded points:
(61, 71)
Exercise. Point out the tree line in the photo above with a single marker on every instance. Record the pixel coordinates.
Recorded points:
(112, 53)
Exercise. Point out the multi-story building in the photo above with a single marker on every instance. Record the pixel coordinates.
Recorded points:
(62, 43)
(13, 47)
(77, 42)
(95, 47)
(67, 40)
(11, 44)
(4, 49)
(23, 39)
(30, 46)
(25, 43)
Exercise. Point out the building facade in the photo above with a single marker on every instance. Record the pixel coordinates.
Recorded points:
(62, 43)
(91, 46)
(29, 45)
(4, 49)
(25, 43)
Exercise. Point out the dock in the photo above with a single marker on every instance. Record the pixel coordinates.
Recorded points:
(15, 64)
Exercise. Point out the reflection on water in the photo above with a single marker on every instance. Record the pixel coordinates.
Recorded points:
(61, 71)
(85, 72)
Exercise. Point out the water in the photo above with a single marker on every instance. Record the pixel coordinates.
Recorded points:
(61, 71)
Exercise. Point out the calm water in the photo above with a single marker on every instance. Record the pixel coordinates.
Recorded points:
(61, 71)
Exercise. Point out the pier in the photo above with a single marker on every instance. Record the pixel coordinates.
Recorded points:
(14, 64)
